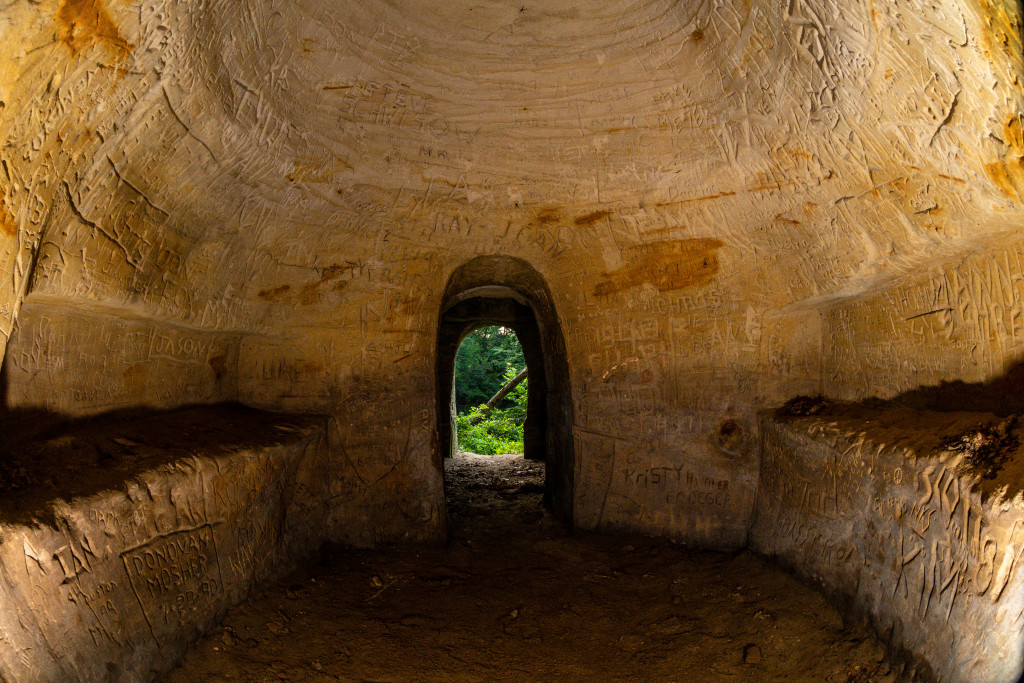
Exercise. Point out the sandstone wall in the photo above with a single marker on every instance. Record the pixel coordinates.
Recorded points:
(113, 585)
(961, 318)
(80, 359)
(692, 180)
(874, 510)
(730, 202)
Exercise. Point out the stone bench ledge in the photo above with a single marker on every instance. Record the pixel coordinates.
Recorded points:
(148, 532)
(922, 540)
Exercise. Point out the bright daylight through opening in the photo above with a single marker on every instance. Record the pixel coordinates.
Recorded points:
(490, 392)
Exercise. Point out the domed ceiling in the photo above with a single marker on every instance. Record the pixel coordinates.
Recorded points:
(250, 165)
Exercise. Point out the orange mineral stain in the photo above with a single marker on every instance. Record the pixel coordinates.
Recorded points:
(218, 365)
(82, 23)
(275, 293)
(667, 265)
(328, 280)
(1007, 173)
(7, 224)
(591, 218)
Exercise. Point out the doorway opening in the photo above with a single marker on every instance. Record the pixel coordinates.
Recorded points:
(507, 293)
(490, 392)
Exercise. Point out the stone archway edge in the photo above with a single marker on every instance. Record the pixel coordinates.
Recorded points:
(509, 291)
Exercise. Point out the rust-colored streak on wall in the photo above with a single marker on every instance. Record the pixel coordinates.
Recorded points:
(999, 173)
(328, 281)
(591, 218)
(218, 364)
(1003, 20)
(7, 224)
(667, 265)
(548, 215)
(1008, 172)
(310, 293)
(274, 293)
(82, 23)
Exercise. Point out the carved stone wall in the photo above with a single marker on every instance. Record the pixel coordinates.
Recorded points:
(700, 185)
(869, 505)
(960, 318)
(114, 584)
(81, 359)
(730, 202)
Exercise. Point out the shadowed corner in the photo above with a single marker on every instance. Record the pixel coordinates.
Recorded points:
(1002, 395)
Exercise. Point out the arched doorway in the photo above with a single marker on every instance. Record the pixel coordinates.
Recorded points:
(499, 290)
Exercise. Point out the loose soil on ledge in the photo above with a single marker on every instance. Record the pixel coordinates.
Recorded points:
(514, 597)
(79, 458)
(983, 445)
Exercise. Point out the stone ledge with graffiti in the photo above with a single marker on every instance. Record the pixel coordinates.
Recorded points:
(897, 522)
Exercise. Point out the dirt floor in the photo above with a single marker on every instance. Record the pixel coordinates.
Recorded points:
(515, 597)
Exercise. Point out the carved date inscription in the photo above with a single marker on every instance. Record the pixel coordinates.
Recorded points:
(176, 577)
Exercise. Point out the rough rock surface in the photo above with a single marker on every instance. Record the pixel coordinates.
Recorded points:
(731, 202)
(113, 570)
(726, 203)
(874, 505)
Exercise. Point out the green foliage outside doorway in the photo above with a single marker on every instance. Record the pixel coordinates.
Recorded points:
(487, 359)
